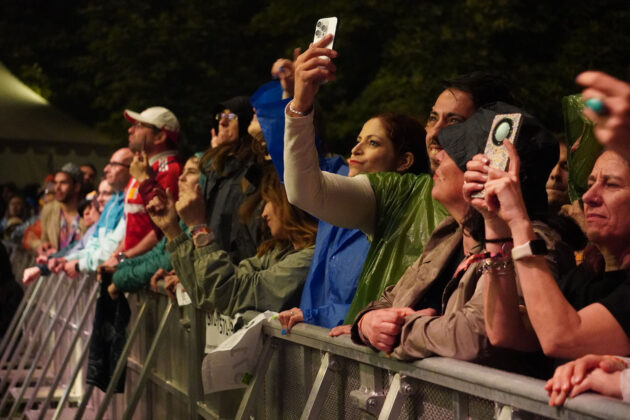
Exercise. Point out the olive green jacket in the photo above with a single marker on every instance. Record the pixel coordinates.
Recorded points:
(273, 281)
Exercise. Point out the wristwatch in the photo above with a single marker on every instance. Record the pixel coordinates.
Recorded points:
(202, 239)
(120, 257)
(529, 249)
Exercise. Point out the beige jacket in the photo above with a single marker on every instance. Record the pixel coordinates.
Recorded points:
(459, 332)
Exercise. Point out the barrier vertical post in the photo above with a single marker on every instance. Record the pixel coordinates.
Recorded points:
(120, 365)
(135, 397)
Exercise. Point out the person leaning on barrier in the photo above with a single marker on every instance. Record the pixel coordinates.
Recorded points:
(588, 311)
(60, 218)
(437, 306)
(110, 227)
(396, 210)
(133, 274)
(153, 137)
(389, 142)
(271, 280)
(90, 215)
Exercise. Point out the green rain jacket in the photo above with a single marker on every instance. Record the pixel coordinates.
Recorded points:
(273, 281)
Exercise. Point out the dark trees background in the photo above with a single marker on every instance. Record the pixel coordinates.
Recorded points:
(94, 58)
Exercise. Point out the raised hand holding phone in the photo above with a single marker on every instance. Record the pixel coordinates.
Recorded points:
(312, 68)
(504, 128)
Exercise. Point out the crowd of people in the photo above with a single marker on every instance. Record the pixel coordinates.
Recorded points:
(414, 246)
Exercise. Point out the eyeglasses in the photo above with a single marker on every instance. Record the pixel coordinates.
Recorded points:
(229, 115)
(139, 124)
(118, 164)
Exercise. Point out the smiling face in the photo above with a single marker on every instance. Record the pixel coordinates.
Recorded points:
(453, 106)
(374, 151)
(607, 202)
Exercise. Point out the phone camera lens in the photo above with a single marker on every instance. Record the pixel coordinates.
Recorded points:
(324, 28)
(317, 32)
(502, 131)
(319, 24)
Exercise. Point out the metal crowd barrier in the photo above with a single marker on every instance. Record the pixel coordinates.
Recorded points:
(305, 374)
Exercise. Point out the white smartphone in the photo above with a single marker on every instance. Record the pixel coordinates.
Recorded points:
(504, 128)
(324, 27)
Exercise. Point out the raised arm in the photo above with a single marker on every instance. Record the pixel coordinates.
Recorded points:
(269, 282)
(338, 200)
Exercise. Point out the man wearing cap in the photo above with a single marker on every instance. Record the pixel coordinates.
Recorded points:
(153, 138)
(60, 218)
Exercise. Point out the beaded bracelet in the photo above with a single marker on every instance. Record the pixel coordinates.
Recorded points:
(300, 113)
(498, 266)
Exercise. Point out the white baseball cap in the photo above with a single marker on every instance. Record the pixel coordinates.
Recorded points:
(158, 116)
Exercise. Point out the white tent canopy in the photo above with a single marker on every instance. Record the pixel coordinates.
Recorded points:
(36, 138)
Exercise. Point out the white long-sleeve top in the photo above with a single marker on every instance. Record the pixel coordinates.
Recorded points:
(342, 201)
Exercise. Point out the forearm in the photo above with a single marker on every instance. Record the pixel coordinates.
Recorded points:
(145, 245)
(555, 321)
(182, 254)
(102, 247)
(504, 324)
(338, 200)
(459, 333)
(135, 273)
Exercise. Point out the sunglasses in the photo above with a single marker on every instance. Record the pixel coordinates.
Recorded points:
(229, 115)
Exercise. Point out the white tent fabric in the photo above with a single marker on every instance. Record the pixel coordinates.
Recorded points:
(36, 138)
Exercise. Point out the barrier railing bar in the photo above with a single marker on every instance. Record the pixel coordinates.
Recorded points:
(62, 332)
(44, 343)
(135, 396)
(25, 358)
(319, 391)
(19, 316)
(75, 338)
(523, 392)
(259, 378)
(120, 365)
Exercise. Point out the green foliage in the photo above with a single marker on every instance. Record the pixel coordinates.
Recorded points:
(94, 58)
